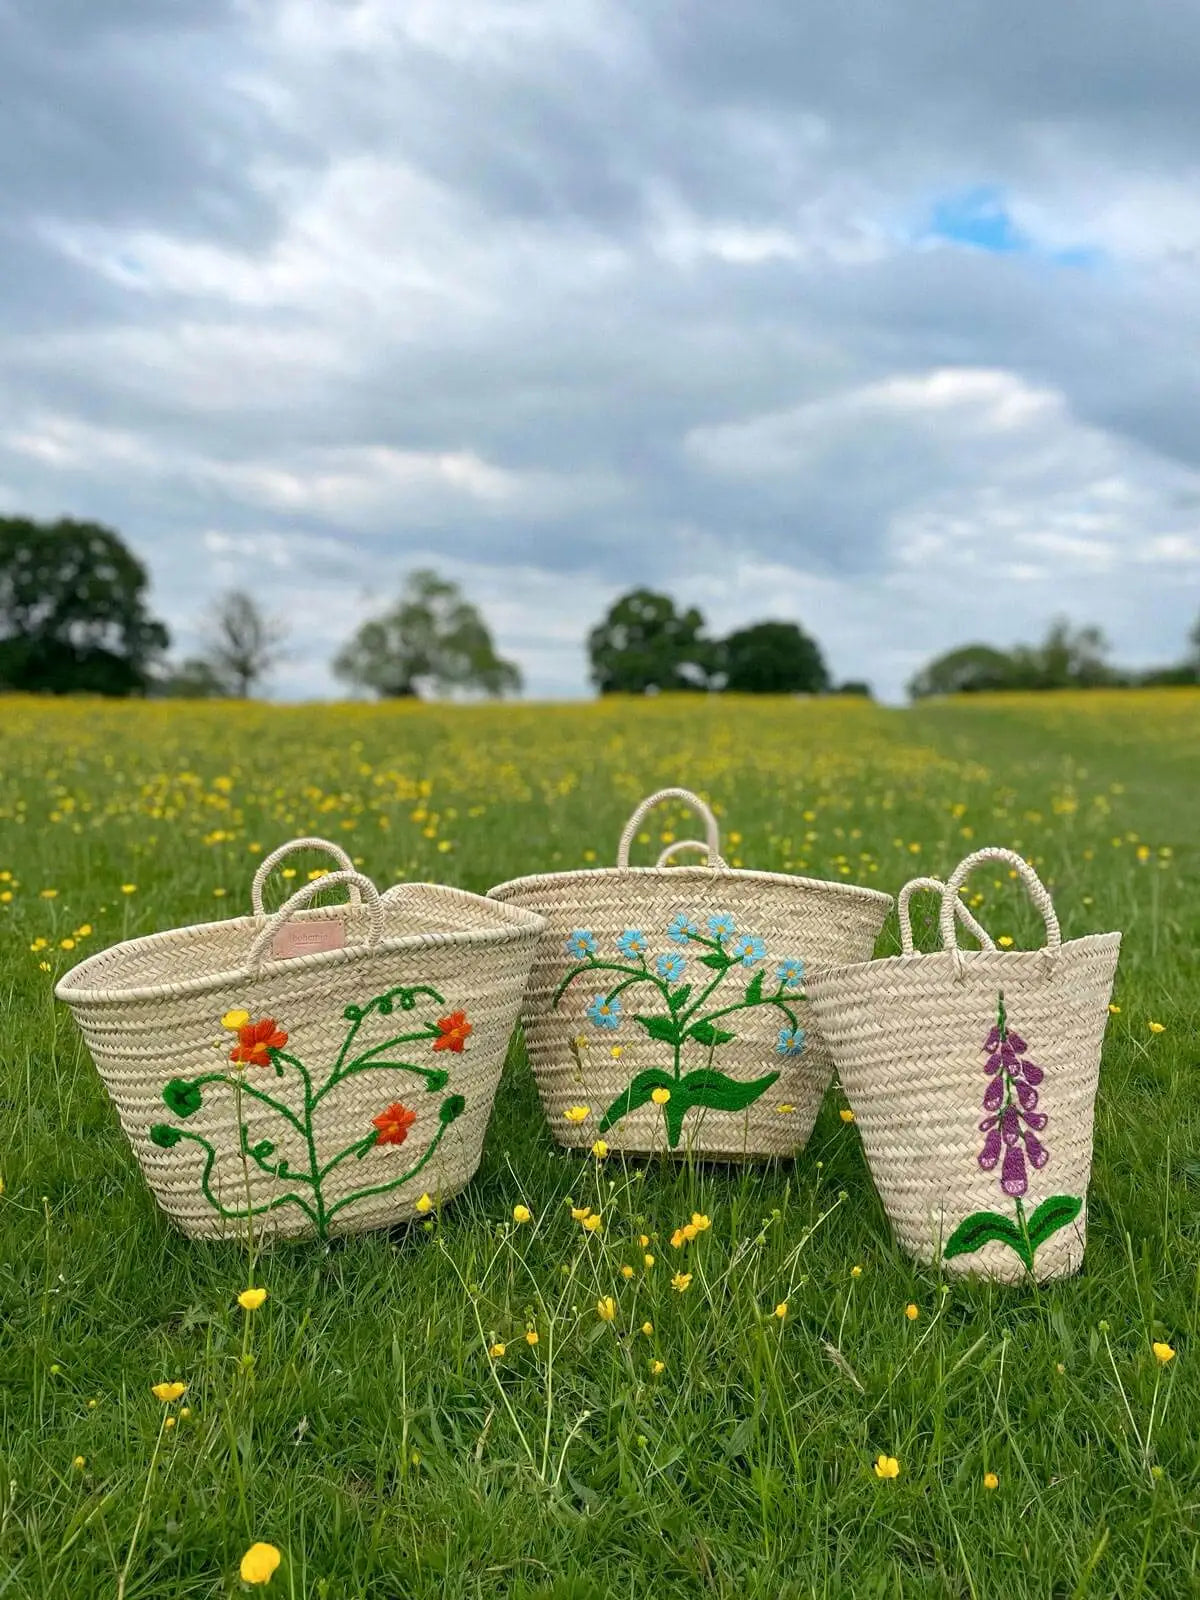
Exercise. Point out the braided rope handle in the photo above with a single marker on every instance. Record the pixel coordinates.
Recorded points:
(664, 859)
(269, 863)
(1038, 893)
(306, 892)
(965, 916)
(712, 833)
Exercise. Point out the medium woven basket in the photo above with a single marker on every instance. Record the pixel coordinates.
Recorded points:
(973, 1078)
(666, 1010)
(314, 1071)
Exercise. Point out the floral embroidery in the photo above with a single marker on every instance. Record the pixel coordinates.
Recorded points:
(1011, 1128)
(262, 1044)
(684, 1022)
(453, 1030)
(256, 1040)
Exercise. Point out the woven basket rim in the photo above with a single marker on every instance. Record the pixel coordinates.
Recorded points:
(825, 976)
(701, 873)
(72, 986)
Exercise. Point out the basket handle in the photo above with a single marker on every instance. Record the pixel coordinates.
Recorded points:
(664, 859)
(306, 891)
(1038, 893)
(964, 915)
(711, 832)
(269, 863)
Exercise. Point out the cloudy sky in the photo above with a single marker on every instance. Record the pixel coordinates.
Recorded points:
(880, 316)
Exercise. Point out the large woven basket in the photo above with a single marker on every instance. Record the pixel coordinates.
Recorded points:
(314, 1071)
(666, 1009)
(973, 1078)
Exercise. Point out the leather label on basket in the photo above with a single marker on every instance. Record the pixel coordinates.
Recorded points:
(308, 938)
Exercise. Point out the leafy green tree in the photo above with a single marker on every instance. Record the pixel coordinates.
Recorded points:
(193, 679)
(969, 669)
(244, 643)
(432, 639)
(774, 658)
(73, 615)
(1067, 658)
(645, 644)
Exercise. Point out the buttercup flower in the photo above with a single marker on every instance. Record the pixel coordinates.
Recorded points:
(720, 925)
(790, 972)
(700, 1222)
(599, 1149)
(235, 1020)
(1158, 1027)
(581, 1213)
(658, 1366)
(680, 1281)
(606, 1309)
(671, 966)
(581, 943)
(255, 1042)
(605, 1013)
(259, 1563)
(990, 1481)
(627, 1271)
(660, 1096)
(748, 948)
(251, 1299)
(846, 1114)
(781, 1310)
(647, 1260)
(593, 1223)
(424, 1204)
(531, 1337)
(791, 1041)
(393, 1124)
(887, 1467)
(453, 1031)
(681, 928)
(912, 1312)
(166, 1392)
(1162, 1353)
(577, 1113)
(632, 942)
(647, 1328)
(522, 1214)
(496, 1351)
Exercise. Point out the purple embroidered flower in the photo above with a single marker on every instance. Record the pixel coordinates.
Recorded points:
(1011, 1098)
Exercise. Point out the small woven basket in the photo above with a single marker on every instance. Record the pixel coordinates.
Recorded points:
(973, 1078)
(666, 1009)
(314, 1071)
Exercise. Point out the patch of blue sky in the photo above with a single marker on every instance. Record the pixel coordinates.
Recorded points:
(979, 219)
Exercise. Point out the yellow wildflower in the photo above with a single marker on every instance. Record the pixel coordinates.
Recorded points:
(168, 1423)
(856, 1272)
(79, 1463)
(251, 1299)
(48, 894)
(496, 1351)
(647, 1259)
(658, 1366)
(1114, 1010)
(531, 1337)
(627, 1271)
(259, 1563)
(643, 1239)
(647, 1328)
(887, 1467)
(577, 1113)
(581, 1213)
(846, 1114)
(1158, 1027)
(606, 1309)
(680, 1281)
(700, 1222)
(781, 1310)
(593, 1224)
(424, 1204)
(599, 1149)
(522, 1214)
(660, 1096)
(912, 1312)
(1163, 1353)
(677, 1239)
(129, 888)
(66, 944)
(1004, 941)
(990, 1481)
(233, 1020)
(166, 1392)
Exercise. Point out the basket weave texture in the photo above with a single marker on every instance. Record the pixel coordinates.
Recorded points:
(973, 1077)
(666, 1009)
(268, 1093)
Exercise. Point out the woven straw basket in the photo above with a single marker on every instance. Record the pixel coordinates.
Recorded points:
(666, 1010)
(312, 1071)
(973, 1077)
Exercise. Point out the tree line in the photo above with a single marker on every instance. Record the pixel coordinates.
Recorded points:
(74, 618)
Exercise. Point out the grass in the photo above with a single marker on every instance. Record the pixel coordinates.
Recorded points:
(356, 1420)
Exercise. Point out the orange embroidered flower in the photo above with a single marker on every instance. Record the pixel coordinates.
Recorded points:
(453, 1031)
(255, 1040)
(393, 1124)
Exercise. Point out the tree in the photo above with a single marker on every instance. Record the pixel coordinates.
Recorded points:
(431, 639)
(645, 644)
(73, 614)
(970, 669)
(244, 644)
(1068, 658)
(192, 679)
(774, 658)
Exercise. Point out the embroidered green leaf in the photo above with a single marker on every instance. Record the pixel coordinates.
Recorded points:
(451, 1109)
(717, 961)
(677, 998)
(754, 989)
(665, 1029)
(720, 1093)
(638, 1093)
(1057, 1212)
(183, 1097)
(986, 1227)
(164, 1136)
(705, 1033)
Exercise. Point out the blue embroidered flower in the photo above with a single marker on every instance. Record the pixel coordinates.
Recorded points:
(790, 972)
(671, 966)
(605, 1013)
(581, 943)
(720, 925)
(681, 928)
(632, 942)
(748, 948)
(791, 1041)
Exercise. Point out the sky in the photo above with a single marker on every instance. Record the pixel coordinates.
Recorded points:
(879, 317)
